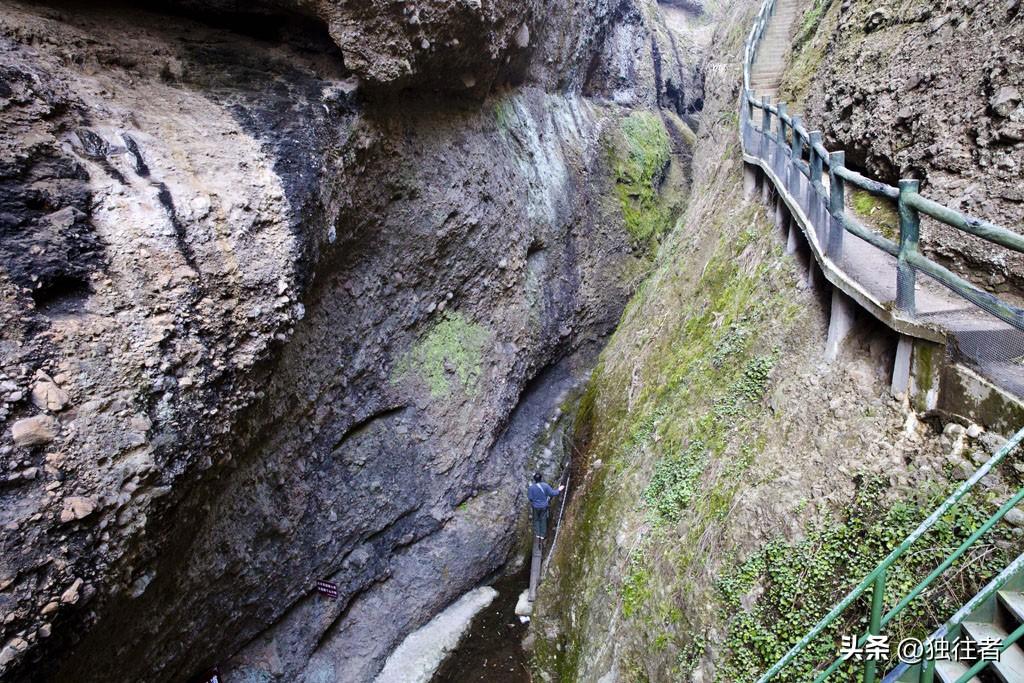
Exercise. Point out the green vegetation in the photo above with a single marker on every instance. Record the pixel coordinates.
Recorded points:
(638, 162)
(451, 353)
(809, 25)
(682, 435)
(636, 587)
(808, 50)
(675, 481)
(877, 212)
(689, 658)
(796, 583)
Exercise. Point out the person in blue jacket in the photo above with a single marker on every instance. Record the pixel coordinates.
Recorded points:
(540, 494)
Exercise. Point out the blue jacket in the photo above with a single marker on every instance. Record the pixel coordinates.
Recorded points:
(540, 494)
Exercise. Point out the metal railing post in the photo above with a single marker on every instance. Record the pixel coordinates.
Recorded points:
(910, 228)
(836, 205)
(875, 628)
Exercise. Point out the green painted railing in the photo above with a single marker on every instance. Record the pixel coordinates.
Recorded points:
(782, 134)
(875, 581)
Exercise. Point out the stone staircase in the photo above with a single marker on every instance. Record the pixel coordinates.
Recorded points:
(770, 64)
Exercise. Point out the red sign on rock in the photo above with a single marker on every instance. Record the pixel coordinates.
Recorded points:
(327, 588)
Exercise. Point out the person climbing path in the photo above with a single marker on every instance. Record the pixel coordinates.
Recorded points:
(540, 495)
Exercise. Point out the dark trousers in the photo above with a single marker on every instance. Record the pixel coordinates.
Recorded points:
(540, 522)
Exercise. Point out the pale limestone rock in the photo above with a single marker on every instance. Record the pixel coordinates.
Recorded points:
(71, 595)
(1015, 517)
(48, 396)
(35, 431)
(77, 507)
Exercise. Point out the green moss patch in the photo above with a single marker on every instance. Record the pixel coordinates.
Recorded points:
(449, 356)
(639, 161)
(876, 212)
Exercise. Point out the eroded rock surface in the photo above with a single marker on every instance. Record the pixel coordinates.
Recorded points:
(273, 312)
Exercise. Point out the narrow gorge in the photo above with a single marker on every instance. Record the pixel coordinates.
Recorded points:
(302, 293)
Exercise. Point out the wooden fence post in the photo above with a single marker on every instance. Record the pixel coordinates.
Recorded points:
(837, 205)
(814, 199)
(910, 228)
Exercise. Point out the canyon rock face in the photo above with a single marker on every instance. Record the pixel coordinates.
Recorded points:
(451, 46)
(275, 311)
(930, 91)
(729, 483)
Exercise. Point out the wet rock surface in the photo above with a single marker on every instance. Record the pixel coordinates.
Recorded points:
(270, 309)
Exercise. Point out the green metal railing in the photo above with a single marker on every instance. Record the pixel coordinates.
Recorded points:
(781, 134)
(875, 581)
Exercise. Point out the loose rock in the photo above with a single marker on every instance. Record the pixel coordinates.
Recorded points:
(48, 396)
(77, 507)
(35, 431)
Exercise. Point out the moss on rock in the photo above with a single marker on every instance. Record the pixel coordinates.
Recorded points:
(449, 356)
(639, 161)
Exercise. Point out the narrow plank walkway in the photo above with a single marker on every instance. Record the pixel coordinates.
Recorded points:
(994, 348)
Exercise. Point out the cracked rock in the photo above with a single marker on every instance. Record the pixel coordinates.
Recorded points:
(48, 396)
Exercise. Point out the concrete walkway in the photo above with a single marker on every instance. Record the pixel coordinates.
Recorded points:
(766, 76)
(993, 348)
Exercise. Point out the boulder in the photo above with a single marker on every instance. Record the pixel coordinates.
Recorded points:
(48, 396)
(35, 431)
(77, 507)
(1004, 101)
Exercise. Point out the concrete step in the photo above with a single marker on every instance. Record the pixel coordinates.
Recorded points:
(1010, 667)
(948, 671)
(1014, 603)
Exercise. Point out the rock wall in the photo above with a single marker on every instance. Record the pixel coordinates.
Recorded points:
(930, 91)
(279, 306)
(730, 484)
